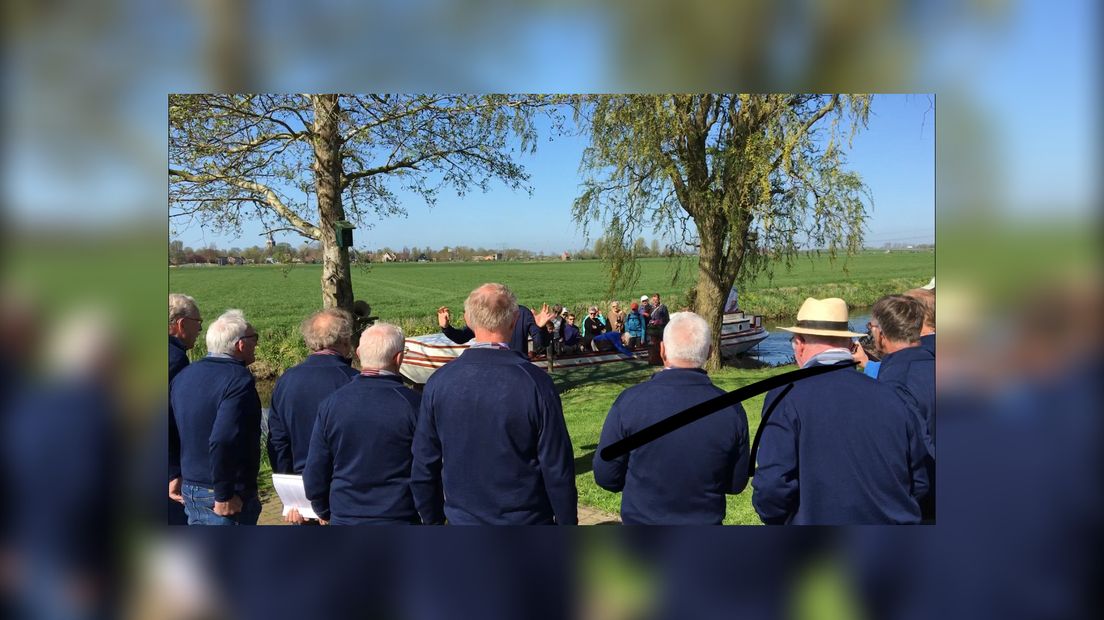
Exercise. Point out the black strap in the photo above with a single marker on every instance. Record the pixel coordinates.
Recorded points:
(838, 325)
(686, 416)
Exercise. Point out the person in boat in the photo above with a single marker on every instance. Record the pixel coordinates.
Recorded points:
(592, 326)
(839, 448)
(572, 338)
(500, 421)
(634, 327)
(681, 478)
(358, 468)
(529, 326)
(616, 318)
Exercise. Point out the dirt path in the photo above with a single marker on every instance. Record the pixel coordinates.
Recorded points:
(271, 510)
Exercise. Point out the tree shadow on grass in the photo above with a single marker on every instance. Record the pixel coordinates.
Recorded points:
(613, 372)
(584, 463)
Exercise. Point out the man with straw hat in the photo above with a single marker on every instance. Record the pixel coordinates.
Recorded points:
(838, 448)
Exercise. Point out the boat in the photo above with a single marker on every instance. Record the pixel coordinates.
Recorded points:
(425, 354)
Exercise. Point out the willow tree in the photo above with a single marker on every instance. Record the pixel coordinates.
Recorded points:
(745, 180)
(304, 162)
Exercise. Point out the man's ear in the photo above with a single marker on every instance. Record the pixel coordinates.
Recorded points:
(399, 358)
(663, 352)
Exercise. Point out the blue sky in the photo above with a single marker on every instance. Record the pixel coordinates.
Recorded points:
(895, 155)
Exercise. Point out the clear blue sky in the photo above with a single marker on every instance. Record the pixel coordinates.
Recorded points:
(895, 155)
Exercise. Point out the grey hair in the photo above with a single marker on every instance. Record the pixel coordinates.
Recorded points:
(379, 344)
(180, 305)
(687, 338)
(225, 332)
(327, 329)
(492, 307)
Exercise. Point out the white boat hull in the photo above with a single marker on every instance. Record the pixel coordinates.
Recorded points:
(425, 354)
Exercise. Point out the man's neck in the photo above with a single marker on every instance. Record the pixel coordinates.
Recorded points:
(893, 347)
(483, 335)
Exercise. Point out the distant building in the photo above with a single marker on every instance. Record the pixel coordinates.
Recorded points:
(565, 256)
(388, 257)
(222, 260)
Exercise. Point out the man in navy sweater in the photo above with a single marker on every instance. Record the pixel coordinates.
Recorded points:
(528, 326)
(328, 334)
(896, 323)
(491, 446)
(838, 448)
(681, 478)
(358, 468)
(217, 413)
(185, 321)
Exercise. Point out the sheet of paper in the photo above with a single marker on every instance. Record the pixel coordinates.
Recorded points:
(290, 490)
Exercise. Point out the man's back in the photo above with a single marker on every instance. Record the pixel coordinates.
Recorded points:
(838, 449)
(360, 453)
(295, 402)
(218, 413)
(491, 429)
(681, 478)
(913, 369)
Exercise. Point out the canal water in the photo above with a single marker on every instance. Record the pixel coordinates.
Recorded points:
(776, 349)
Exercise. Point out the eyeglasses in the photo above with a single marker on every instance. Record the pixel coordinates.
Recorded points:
(251, 337)
(192, 318)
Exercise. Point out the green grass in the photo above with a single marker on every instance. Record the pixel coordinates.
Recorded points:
(587, 395)
(276, 298)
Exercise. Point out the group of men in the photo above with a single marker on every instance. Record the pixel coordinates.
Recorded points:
(485, 442)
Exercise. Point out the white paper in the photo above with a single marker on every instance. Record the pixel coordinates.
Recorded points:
(290, 490)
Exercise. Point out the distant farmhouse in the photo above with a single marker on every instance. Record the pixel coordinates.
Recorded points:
(565, 256)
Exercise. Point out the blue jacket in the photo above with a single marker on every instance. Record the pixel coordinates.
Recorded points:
(217, 413)
(491, 445)
(571, 334)
(928, 342)
(634, 324)
(525, 328)
(681, 478)
(358, 469)
(839, 449)
(178, 357)
(912, 370)
(295, 402)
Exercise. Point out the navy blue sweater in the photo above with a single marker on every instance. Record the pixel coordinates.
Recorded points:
(912, 370)
(491, 445)
(217, 413)
(681, 478)
(928, 342)
(295, 407)
(839, 449)
(358, 469)
(525, 328)
(178, 357)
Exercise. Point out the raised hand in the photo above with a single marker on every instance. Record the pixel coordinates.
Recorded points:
(443, 316)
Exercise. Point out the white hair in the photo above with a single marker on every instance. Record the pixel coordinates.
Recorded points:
(687, 339)
(379, 344)
(180, 305)
(491, 307)
(225, 332)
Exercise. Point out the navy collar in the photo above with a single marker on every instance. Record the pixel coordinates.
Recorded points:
(682, 375)
(316, 359)
(175, 342)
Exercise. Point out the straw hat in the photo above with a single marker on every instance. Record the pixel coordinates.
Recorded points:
(930, 285)
(822, 317)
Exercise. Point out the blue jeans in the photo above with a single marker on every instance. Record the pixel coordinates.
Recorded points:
(199, 504)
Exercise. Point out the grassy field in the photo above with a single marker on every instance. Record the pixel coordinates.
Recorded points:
(276, 298)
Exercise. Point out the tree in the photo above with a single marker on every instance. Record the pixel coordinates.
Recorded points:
(307, 161)
(745, 180)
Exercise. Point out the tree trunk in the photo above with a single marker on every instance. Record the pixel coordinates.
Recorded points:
(712, 286)
(337, 283)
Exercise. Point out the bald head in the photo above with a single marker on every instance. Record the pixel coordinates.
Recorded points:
(331, 328)
(491, 311)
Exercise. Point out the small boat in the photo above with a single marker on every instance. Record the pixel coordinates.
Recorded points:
(425, 354)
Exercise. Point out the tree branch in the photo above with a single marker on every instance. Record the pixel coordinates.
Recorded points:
(270, 199)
